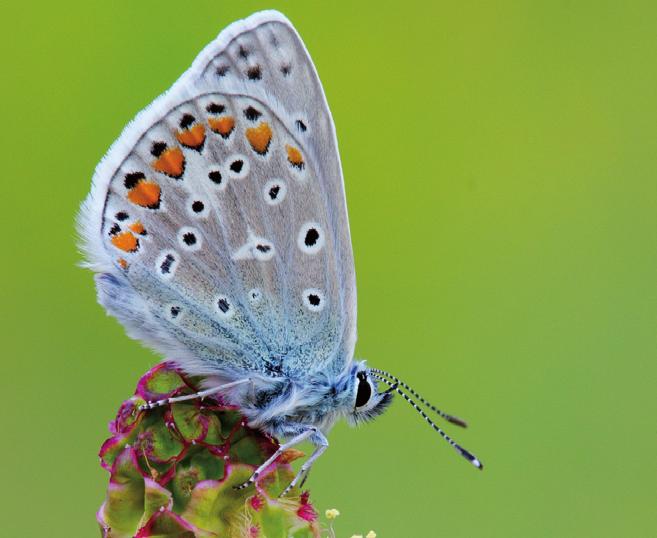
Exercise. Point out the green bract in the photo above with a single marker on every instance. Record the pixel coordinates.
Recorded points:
(173, 468)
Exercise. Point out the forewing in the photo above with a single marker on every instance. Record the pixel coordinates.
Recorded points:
(218, 222)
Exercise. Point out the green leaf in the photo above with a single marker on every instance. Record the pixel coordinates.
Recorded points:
(201, 466)
(187, 418)
(211, 465)
(247, 450)
(275, 482)
(213, 434)
(124, 504)
(160, 382)
(275, 521)
(155, 498)
(229, 422)
(159, 443)
(166, 524)
(214, 505)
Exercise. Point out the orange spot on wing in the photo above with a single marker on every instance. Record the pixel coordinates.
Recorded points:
(145, 194)
(126, 242)
(138, 228)
(259, 137)
(223, 126)
(294, 157)
(123, 263)
(192, 138)
(171, 162)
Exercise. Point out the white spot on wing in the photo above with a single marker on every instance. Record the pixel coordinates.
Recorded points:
(313, 299)
(217, 177)
(173, 312)
(166, 264)
(255, 295)
(311, 238)
(224, 306)
(237, 166)
(197, 207)
(189, 238)
(274, 191)
(257, 248)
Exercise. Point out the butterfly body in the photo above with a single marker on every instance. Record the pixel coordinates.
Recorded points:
(217, 226)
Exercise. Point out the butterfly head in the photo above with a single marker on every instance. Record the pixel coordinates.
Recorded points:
(368, 402)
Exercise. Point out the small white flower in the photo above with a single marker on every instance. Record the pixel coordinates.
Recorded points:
(357, 536)
(370, 534)
(332, 513)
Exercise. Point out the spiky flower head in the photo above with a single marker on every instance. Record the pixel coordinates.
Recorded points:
(173, 470)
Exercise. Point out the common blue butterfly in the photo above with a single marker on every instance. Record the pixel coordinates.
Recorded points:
(217, 226)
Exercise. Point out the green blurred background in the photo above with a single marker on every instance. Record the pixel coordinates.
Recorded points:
(500, 167)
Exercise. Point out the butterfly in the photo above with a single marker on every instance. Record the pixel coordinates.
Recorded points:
(217, 228)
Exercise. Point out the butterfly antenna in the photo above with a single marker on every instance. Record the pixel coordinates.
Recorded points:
(462, 451)
(448, 418)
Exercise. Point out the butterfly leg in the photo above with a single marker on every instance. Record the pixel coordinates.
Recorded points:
(202, 394)
(321, 444)
(305, 434)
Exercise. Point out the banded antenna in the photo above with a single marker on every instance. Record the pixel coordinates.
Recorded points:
(448, 418)
(462, 451)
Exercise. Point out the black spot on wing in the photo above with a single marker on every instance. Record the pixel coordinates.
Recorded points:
(130, 180)
(252, 114)
(158, 148)
(254, 73)
(186, 121)
(165, 266)
(215, 108)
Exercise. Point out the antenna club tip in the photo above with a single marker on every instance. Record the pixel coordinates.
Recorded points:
(470, 457)
(457, 421)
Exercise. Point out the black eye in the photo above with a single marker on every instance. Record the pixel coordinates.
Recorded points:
(364, 390)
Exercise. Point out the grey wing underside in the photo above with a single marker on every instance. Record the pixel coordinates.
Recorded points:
(217, 222)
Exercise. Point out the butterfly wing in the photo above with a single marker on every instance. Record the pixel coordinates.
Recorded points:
(217, 221)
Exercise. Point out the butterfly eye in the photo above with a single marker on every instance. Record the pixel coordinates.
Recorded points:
(364, 390)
